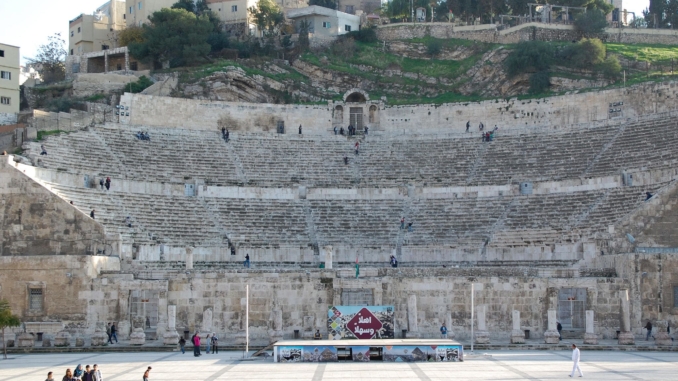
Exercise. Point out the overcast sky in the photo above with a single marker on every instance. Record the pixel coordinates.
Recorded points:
(27, 23)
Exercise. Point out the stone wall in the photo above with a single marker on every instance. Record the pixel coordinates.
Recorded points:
(85, 84)
(73, 120)
(525, 32)
(7, 118)
(507, 114)
(36, 222)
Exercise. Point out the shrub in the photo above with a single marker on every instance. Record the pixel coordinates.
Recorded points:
(539, 82)
(140, 85)
(434, 47)
(529, 57)
(585, 54)
(343, 47)
(366, 35)
(218, 41)
(610, 67)
(591, 23)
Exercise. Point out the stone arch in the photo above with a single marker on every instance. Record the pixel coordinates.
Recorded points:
(356, 95)
(339, 114)
(373, 114)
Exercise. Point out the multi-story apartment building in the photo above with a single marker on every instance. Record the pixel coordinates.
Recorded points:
(137, 11)
(98, 31)
(9, 83)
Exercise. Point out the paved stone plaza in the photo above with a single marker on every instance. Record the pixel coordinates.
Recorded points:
(490, 365)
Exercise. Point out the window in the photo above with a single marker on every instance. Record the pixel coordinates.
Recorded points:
(349, 9)
(133, 66)
(35, 299)
(2, 53)
(130, 10)
(140, 5)
(71, 51)
(5, 75)
(104, 47)
(347, 28)
(5, 101)
(78, 29)
(234, 8)
(72, 33)
(124, 16)
(327, 24)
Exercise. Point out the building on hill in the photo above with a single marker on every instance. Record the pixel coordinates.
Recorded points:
(98, 31)
(356, 7)
(325, 23)
(9, 83)
(137, 11)
(233, 13)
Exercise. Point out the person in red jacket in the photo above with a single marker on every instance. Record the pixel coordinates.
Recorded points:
(196, 345)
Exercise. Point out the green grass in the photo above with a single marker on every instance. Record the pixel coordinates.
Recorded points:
(646, 53)
(198, 73)
(95, 97)
(44, 134)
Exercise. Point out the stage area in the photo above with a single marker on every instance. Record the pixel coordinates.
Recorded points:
(385, 350)
(500, 365)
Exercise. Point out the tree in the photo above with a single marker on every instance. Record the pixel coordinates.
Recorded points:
(585, 54)
(610, 67)
(434, 47)
(304, 27)
(131, 34)
(175, 36)
(50, 59)
(529, 57)
(187, 5)
(331, 4)
(7, 319)
(591, 23)
(267, 16)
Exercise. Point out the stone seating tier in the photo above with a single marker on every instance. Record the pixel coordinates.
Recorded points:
(509, 221)
(178, 156)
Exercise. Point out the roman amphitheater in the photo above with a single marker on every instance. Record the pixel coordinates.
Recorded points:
(570, 208)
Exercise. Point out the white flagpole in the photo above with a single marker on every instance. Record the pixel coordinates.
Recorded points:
(472, 315)
(247, 319)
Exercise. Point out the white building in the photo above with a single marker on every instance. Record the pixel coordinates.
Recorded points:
(324, 22)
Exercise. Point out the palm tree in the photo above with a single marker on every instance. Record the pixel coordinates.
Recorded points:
(7, 320)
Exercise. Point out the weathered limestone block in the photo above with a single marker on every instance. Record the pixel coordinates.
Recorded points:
(328, 256)
(551, 335)
(189, 258)
(99, 338)
(448, 324)
(276, 333)
(481, 335)
(590, 336)
(46, 341)
(62, 339)
(662, 337)
(25, 340)
(625, 335)
(138, 337)
(517, 335)
(79, 341)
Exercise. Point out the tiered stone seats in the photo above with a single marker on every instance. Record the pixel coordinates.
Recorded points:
(261, 222)
(359, 223)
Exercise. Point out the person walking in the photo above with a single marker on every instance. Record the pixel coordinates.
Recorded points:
(44, 151)
(335, 130)
(648, 326)
(77, 373)
(357, 147)
(559, 327)
(101, 183)
(96, 373)
(575, 361)
(300, 129)
(215, 343)
(196, 345)
(468, 125)
(68, 376)
(182, 344)
(443, 331)
(147, 374)
(114, 333)
(108, 183)
(247, 261)
(208, 343)
(87, 375)
(108, 332)
(402, 223)
(50, 377)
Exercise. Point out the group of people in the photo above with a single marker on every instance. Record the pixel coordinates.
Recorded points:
(225, 134)
(340, 130)
(80, 374)
(105, 183)
(402, 224)
(648, 327)
(112, 332)
(142, 136)
(211, 341)
(394, 261)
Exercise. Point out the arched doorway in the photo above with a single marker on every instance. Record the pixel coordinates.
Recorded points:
(338, 115)
(373, 114)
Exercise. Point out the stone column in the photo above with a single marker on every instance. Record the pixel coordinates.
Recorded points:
(99, 338)
(482, 336)
(123, 325)
(448, 324)
(625, 335)
(590, 336)
(240, 336)
(328, 257)
(206, 326)
(662, 337)
(106, 57)
(171, 337)
(276, 332)
(517, 335)
(551, 335)
(412, 323)
(189, 258)
(138, 337)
